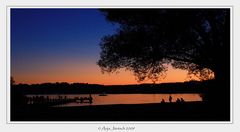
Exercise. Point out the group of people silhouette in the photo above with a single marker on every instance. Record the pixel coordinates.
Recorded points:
(42, 100)
(89, 99)
(57, 100)
(181, 100)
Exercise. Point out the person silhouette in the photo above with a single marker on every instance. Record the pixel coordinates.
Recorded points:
(170, 99)
(182, 100)
(163, 101)
(81, 100)
(178, 100)
(90, 100)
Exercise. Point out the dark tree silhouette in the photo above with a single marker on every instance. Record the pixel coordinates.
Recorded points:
(12, 81)
(197, 40)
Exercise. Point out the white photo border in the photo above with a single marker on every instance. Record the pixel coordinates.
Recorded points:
(8, 65)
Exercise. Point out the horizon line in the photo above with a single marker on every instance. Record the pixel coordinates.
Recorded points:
(108, 84)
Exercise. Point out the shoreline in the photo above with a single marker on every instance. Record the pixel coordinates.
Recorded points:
(194, 111)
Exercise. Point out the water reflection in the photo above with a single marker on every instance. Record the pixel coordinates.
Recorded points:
(121, 98)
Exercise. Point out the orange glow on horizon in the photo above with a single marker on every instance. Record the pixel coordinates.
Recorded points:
(89, 72)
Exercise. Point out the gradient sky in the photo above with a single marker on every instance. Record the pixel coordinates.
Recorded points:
(62, 45)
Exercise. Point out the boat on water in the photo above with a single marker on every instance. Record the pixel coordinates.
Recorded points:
(102, 94)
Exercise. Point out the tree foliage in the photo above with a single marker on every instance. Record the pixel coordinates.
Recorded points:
(197, 40)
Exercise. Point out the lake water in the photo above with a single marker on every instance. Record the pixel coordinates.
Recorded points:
(123, 98)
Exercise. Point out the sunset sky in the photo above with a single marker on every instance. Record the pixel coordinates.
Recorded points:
(62, 45)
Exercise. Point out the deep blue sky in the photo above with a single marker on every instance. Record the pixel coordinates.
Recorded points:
(61, 32)
(41, 37)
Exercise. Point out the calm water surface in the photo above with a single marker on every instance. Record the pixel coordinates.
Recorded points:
(124, 98)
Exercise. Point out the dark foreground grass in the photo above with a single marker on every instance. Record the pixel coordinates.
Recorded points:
(191, 111)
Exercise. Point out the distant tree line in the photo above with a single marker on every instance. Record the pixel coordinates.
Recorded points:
(84, 88)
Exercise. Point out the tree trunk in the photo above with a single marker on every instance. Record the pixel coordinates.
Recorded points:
(218, 93)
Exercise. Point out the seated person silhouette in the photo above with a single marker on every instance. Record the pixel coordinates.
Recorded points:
(163, 101)
(182, 100)
(178, 100)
